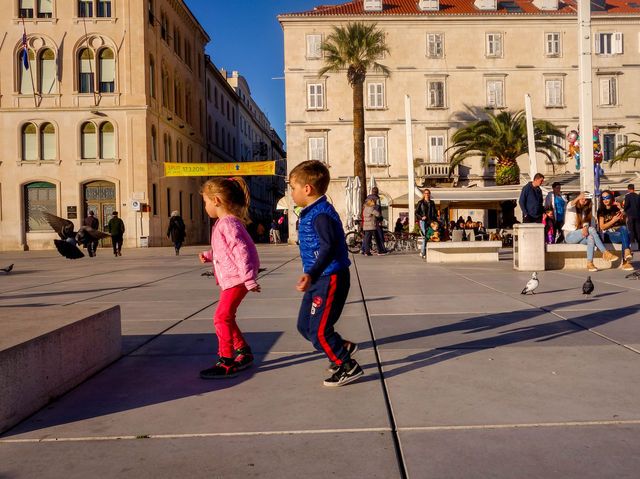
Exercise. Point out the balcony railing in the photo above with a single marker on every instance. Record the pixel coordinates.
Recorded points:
(436, 170)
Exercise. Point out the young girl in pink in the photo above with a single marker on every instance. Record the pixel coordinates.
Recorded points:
(235, 264)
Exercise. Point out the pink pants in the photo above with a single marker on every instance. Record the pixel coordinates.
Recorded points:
(224, 320)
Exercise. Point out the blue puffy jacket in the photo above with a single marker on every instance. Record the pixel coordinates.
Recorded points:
(310, 243)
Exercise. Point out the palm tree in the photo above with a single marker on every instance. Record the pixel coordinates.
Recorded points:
(355, 48)
(628, 151)
(503, 137)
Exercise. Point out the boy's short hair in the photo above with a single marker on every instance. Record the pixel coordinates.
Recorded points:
(314, 173)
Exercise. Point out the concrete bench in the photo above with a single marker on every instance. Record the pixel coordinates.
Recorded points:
(46, 351)
(463, 251)
(574, 256)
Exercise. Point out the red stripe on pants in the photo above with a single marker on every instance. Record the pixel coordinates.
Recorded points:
(323, 323)
(229, 335)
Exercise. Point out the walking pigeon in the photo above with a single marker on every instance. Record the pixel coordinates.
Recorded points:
(66, 245)
(634, 275)
(8, 269)
(587, 287)
(532, 284)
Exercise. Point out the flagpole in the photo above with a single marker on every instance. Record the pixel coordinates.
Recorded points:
(26, 52)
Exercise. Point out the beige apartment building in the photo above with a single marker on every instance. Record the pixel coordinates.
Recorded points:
(239, 131)
(456, 60)
(111, 90)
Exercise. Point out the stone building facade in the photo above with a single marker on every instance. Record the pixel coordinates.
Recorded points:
(455, 60)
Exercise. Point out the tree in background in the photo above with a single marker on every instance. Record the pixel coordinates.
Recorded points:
(503, 137)
(356, 49)
(628, 151)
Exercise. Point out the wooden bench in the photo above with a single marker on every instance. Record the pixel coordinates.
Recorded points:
(463, 251)
(574, 256)
(45, 352)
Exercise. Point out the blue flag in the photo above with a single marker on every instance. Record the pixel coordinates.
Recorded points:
(25, 49)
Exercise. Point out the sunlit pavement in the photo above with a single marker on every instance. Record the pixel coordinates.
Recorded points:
(464, 376)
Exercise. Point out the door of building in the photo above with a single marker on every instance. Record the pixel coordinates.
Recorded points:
(100, 197)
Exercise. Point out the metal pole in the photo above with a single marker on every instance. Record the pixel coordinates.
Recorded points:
(586, 93)
(531, 139)
(410, 170)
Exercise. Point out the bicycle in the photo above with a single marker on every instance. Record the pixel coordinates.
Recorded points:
(354, 240)
(408, 241)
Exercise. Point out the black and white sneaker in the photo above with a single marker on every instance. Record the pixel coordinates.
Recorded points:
(347, 373)
(352, 348)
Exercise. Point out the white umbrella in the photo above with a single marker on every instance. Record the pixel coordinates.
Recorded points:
(356, 197)
(348, 203)
(372, 183)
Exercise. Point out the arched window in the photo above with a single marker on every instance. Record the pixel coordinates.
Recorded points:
(151, 15)
(169, 149)
(165, 89)
(229, 141)
(39, 197)
(85, 71)
(187, 106)
(107, 141)
(85, 8)
(47, 142)
(152, 77)
(217, 134)
(47, 72)
(26, 85)
(179, 151)
(107, 66)
(154, 144)
(104, 8)
(177, 97)
(29, 143)
(88, 142)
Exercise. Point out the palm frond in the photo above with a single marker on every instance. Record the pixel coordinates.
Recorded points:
(628, 151)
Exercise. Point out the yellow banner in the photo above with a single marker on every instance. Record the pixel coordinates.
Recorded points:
(220, 169)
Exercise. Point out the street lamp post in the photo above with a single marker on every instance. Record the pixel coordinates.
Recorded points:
(585, 92)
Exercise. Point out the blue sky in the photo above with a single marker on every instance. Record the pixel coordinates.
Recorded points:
(246, 36)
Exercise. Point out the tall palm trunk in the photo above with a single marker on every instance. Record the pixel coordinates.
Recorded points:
(359, 168)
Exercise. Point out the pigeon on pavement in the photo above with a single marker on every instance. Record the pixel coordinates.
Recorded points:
(532, 284)
(587, 287)
(8, 269)
(634, 275)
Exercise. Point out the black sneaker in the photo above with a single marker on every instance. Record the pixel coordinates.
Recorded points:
(352, 348)
(223, 369)
(244, 358)
(347, 373)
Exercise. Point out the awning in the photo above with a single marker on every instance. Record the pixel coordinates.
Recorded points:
(283, 203)
(466, 197)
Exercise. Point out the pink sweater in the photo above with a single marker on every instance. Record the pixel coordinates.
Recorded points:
(233, 254)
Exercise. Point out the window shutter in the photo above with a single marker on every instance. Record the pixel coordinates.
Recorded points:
(612, 92)
(316, 149)
(107, 146)
(604, 91)
(46, 6)
(372, 95)
(26, 3)
(319, 96)
(617, 42)
(29, 151)
(107, 66)
(311, 96)
(314, 43)
(47, 72)
(89, 140)
(48, 142)
(25, 76)
(498, 44)
(596, 43)
(621, 140)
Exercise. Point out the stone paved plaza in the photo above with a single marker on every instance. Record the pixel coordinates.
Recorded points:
(464, 376)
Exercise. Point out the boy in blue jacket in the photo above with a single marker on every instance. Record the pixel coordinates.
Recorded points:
(326, 280)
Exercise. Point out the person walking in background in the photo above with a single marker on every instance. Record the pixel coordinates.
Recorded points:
(274, 232)
(379, 232)
(557, 203)
(398, 226)
(326, 280)
(92, 222)
(177, 231)
(531, 200)
(370, 215)
(235, 265)
(632, 210)
(426, 212)
(116, 229)
(612, 224)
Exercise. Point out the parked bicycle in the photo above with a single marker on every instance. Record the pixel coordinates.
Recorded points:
(354, 240)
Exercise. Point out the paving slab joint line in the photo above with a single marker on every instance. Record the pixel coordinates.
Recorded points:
(402, 464)
(197, 435)
(518, 426)
(603, 336)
